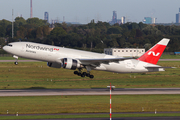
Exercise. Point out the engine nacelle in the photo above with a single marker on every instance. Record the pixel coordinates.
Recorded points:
(54, 64)
(69, 63)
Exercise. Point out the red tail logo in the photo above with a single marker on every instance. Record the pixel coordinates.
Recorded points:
(153, 53)
(152, 56)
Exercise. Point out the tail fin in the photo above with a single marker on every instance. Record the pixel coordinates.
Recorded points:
(153, 54)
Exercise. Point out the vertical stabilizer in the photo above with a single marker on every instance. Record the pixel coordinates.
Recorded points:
(152, 55)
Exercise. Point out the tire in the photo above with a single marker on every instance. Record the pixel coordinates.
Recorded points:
(87, 74)
(75, 72)
(82, 75)
(91, 76)
(79, 74)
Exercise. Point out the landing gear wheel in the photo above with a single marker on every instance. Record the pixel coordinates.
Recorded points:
(15, 63)
(87, 74)
(76, 72)
(91, 76)
(79, 74)
(82, 75)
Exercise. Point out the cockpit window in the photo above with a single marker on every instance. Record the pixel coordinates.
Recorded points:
(10, 45)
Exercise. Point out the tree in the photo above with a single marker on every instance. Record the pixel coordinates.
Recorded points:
(36, 21)
(57, 32)
(2, 31)
(22, 32)
(151, 30)
(113, 30)
(39, 32)
(19, 21)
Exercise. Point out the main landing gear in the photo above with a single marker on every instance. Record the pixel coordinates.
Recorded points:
(83, 74)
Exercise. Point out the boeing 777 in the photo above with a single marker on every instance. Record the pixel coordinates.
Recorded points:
(73, 59)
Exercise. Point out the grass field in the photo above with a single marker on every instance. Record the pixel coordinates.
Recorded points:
(39, 75)
(170, 57)
(88, 104)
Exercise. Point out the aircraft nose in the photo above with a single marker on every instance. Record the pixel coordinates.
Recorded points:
(5, 48)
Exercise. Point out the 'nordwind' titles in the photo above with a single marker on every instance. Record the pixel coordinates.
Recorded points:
(39, 48)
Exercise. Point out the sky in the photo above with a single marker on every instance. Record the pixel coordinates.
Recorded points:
(83, 11)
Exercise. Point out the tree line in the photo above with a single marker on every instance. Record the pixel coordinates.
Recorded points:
(92, 36)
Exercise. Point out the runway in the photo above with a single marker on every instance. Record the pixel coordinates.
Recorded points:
(93, 91)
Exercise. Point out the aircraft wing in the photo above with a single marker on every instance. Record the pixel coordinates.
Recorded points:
(98, 61)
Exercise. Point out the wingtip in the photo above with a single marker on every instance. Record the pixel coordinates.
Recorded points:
(164, 41)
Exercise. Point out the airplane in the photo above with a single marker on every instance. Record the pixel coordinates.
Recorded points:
(73, 59)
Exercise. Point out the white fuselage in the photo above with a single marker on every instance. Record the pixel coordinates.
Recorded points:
(51, 53)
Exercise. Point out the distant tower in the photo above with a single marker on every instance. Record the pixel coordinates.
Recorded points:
(31, 15)
(46, 16)
(178, 17)
(114, 18)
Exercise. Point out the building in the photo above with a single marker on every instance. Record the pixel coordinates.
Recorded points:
(46, 16)
(114, 19)
(178, 17)
(123, 20)
(124, 52)
(148, 20)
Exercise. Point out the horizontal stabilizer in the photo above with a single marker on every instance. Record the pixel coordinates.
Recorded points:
(157, 67)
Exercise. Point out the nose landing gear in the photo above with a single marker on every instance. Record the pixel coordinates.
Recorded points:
(16, 57)
(16, 63)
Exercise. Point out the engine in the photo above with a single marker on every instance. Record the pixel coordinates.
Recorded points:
(54, 64)
(69, 63)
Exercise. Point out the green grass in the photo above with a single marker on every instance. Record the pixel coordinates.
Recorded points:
(87, 116)
(88, 104)
(39, 75)
(170, 57)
